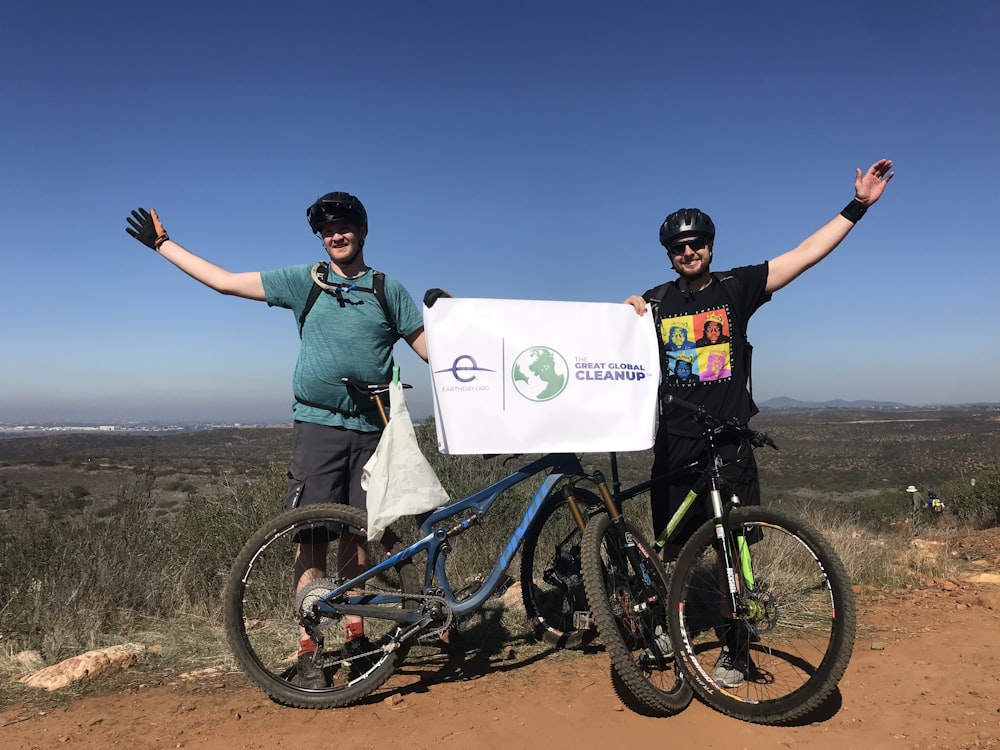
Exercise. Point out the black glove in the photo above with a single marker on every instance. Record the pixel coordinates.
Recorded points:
(145, 226)
(433, 295)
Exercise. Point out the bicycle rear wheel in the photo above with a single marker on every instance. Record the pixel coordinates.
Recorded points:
(628, 603)
(551, 579)
(262, 614)
(795, 632)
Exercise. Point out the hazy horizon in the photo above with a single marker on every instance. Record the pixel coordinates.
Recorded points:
(419, 411)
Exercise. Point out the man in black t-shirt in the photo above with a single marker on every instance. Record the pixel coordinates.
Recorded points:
(719, 305)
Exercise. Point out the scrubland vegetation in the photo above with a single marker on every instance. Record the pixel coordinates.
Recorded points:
(114, 540)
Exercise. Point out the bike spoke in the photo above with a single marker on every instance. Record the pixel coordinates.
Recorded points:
(791, 639)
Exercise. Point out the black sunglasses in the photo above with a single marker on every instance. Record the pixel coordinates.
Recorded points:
(696, 244)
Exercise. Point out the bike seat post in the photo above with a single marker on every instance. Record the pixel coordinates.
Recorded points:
(377, 398)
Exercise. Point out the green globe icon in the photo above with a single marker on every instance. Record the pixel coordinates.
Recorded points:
(539, 373)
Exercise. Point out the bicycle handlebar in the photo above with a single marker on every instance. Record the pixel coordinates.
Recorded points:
(701, 415)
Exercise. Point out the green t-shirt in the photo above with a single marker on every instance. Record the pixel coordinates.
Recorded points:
(341, 338)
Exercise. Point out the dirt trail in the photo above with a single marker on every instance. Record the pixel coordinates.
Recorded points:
(932, 680)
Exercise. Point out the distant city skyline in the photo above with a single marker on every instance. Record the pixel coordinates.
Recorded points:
(420, 413)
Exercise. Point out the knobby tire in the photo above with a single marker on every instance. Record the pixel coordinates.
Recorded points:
(797, 624)
(262, 621)
(631, 615)
(551, 576)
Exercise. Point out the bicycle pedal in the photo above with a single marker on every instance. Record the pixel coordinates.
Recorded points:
(582, 620)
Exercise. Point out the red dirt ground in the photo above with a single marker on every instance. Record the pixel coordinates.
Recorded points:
(925, 674)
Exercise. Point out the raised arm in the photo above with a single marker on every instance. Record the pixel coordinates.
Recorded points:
(868, 187)
(417, 340)
(418, 343)
(147, 228)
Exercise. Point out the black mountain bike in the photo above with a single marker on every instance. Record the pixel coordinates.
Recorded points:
(759, 610)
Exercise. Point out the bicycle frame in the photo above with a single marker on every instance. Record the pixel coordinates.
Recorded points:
(710, 479)
(435, 543)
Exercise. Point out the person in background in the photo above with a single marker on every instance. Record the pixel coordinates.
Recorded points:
(934, 505)
(915, 501)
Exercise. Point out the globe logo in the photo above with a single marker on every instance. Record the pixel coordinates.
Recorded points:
(539, 373)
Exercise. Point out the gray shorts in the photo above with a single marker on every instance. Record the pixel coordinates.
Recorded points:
(326, 465)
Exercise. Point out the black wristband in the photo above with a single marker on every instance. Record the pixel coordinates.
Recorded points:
(854, 210)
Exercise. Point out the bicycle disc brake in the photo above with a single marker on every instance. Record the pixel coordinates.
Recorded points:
(760, 610)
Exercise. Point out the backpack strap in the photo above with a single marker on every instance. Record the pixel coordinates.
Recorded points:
(658, 293)
(320, 273)
(378, 289)
(655, 299)
(314, 291)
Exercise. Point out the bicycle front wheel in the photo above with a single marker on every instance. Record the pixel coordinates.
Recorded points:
(551, 580)
(789, 644)
(263, 611)
(628, 594)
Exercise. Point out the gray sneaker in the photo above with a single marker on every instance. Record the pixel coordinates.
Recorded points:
(731, 669)
(661, 649)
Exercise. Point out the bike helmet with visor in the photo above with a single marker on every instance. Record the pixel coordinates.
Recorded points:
(336, 207)
(686, 222)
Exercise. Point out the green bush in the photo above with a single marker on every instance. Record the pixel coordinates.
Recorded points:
(876, 513)
(977, 505)
(73, 583)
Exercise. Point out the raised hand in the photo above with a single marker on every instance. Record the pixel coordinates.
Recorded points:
(868, 187)
(145, 226)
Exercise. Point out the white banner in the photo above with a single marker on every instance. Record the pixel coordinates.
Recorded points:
(524, 376)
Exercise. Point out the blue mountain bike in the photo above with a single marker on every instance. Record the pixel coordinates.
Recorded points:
(405, 594)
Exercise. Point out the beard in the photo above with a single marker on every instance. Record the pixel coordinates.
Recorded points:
(696, 272)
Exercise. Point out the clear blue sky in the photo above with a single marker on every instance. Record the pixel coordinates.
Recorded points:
(524, 150)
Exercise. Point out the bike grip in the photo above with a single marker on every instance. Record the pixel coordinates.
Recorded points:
(682, 404)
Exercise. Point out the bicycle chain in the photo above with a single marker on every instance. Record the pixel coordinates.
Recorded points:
(313, 591)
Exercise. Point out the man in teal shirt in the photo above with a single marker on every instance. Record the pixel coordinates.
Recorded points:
(345, 332)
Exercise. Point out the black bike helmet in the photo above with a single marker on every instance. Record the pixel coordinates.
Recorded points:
(685, 222)
(336, 207)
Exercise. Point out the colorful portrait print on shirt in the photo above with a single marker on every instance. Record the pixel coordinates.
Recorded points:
(713, 363)
(698, 347)
(677, 333)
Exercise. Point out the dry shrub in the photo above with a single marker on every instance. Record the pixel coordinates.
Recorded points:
(885, 560)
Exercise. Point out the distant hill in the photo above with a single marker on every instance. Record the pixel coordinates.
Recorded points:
(786, 404)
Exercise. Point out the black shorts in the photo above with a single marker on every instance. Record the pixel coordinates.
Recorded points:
(740, 471)
(326, 468)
